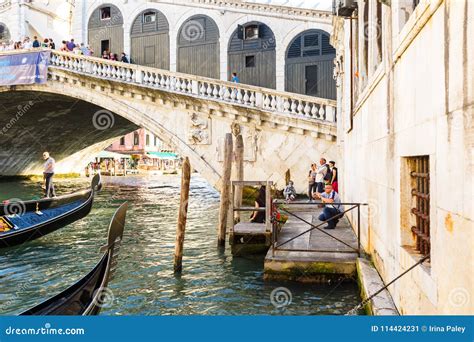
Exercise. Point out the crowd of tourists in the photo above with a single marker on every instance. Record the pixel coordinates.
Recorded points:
(322, 189)
(66, 46)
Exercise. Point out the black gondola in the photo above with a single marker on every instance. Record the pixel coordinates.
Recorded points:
(25, 221)
(90, 294)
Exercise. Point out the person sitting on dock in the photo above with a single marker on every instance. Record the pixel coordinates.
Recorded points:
(332, 210)
(289, 192)
(259, 216)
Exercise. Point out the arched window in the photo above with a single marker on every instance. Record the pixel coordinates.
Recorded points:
(310, 64)
(4, 33)
(105, 30)
(251, 55)
(198, 47)
(149, 37)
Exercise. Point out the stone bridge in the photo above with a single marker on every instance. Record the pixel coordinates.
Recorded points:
(88, 102)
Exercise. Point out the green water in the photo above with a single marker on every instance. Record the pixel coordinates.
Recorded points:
(212, 283)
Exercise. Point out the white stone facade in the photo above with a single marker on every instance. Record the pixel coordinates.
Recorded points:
(416, 100)
(59, 19)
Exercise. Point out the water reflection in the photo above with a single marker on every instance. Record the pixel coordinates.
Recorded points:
(212, 283)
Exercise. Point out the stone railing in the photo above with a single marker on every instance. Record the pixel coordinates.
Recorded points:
(4, 5)
(210, 89)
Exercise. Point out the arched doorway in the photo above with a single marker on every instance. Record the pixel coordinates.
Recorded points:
(252, 55)
(4, 33)
(310, 64)
(149, 37)
(198, 47)
(105, 30)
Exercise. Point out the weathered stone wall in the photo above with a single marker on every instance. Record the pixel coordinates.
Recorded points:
(419, 102)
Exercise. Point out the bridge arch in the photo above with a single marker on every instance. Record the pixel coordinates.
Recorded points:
(198, 49)
(149, 39)
(5, 35)
(105, 29)
(252, 54)
(120, 117)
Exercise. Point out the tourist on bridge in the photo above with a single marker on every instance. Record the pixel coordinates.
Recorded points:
(259, 216)
(333, 181)
(52, 44)
(321, 174)
(36, 43)
(70, 45)
(48, 174)
(332, 210)
(64, 46)
(124, 58)
(27, 43)
(235, 78)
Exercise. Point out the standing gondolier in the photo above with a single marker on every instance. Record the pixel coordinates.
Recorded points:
(48, 173)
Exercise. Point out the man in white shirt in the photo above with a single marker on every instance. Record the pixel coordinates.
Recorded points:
(48, 173)
(27, 43)
(320, 174)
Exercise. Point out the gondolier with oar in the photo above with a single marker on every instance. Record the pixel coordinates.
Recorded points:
(48, 173)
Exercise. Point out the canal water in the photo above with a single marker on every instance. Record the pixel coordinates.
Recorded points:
(212, 283)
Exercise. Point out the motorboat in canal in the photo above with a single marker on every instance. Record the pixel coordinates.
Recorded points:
(90, 294)
(22, 221)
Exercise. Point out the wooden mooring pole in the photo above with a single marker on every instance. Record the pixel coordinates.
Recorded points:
(182, 215)
(225, 191)
(239, 167)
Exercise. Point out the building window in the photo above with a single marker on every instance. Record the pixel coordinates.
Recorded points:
(105, 13)
(365, 51)
(420, 180)
(149, 17)
(406, 9)
(156, 141)
(122, 141)
(251, 32)
(147, 140)
(379, 29)
(136, 139)
(250, 61)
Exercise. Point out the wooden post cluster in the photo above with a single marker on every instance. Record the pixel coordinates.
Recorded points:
(225, 191)
(182, 216)
(239, 167)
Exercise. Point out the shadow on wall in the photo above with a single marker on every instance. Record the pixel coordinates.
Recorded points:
(34, 122)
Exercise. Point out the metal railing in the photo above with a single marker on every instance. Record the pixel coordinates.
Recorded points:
(276, 245)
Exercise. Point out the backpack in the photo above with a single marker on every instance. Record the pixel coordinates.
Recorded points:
(328, 175)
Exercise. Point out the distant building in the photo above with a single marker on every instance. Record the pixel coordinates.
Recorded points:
(147, 150)
(138, 143)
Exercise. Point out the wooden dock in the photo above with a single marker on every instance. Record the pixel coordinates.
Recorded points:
(314, 256)
(246, 237)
